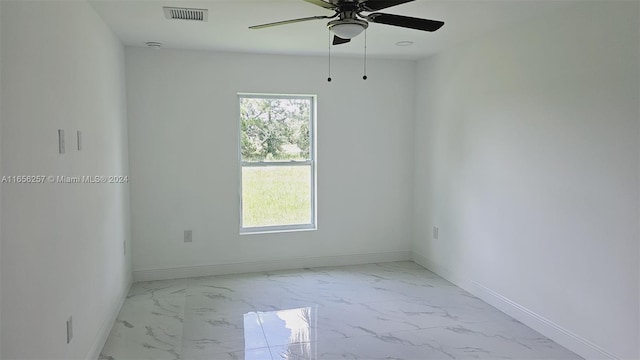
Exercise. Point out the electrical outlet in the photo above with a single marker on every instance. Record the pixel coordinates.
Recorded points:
(187, 236)
(69, 329)
(435, 232)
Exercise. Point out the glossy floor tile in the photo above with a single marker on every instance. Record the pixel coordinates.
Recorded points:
(378, 311)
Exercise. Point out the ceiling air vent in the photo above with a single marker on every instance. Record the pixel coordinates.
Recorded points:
(186, 13)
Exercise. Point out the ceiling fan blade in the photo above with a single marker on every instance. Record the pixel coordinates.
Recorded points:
(405, 21)
(375, 5)
(288, 22)
(338, 40)
(321, 3)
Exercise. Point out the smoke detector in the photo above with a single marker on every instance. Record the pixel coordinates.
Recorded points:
(176, 13)
(404, 43)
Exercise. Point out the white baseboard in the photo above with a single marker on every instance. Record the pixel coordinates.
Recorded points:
(105, 329)
(268, 265)
(546, 327)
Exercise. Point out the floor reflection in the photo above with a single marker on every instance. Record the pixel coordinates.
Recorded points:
(289, 334)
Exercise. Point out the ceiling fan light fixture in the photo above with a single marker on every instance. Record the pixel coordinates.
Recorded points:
(347, 28)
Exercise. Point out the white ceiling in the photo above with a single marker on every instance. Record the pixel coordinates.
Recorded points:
(139, 21)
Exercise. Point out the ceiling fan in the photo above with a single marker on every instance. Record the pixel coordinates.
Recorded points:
(350, 21)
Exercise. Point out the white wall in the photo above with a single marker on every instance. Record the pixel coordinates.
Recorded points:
(183, 128)
(62, 244)
(0, 177)
(527, 161)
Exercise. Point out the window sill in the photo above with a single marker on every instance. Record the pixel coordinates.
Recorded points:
(275, 230)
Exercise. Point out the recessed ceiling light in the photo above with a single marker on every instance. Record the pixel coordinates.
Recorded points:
(404, 43)
(154, 44)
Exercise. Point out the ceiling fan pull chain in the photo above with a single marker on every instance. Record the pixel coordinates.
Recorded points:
(364, 77)
(329, 78)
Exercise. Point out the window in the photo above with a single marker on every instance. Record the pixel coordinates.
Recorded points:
(277, 161)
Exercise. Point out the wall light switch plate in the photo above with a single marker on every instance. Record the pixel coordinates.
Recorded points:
(187, 236)
(79, 139)
(435, 232)
(61, 141)
(69, 329)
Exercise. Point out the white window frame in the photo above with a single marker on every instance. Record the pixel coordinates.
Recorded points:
(312, 163)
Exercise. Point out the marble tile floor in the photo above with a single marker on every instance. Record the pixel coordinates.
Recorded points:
(377, 311)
